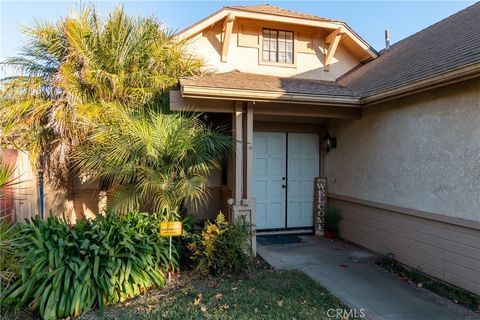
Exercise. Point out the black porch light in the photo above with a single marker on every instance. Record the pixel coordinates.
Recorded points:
(329, 142)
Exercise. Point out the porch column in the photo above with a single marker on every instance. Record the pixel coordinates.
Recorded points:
(244, 203)
(248, 150)
(238, 163)
(249, 200)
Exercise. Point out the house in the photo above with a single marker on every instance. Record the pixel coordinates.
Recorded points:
(405, 171)
(405, 168)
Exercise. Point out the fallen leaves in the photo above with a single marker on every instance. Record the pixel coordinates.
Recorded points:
(197, 299)
(224, 307)
(203, 308)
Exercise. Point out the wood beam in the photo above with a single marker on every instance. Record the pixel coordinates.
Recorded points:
(227, 35)
(282, 109)
(179, 103)
(333, 39)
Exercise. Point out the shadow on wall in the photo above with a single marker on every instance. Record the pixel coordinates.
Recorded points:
(82, 202)
(21, 201)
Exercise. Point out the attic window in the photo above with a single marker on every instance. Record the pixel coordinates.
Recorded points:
(277, 46)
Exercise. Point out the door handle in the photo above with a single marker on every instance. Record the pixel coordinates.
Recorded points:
(284, 186)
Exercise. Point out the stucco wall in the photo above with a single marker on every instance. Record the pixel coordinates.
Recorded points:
(246, 59)
(421, 152)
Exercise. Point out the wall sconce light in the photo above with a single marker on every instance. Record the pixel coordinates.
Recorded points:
(329, 142)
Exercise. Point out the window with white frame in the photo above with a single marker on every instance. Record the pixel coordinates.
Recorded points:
(277, 46)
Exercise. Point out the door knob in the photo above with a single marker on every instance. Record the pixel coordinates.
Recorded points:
(284, 186)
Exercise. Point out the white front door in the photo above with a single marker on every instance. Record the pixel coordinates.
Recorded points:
(269, 154)
(284, 196)
(303, 167)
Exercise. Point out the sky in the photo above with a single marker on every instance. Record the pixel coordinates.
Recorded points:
(368, 19)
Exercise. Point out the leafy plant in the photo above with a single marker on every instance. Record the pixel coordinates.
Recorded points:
(153, 158)
(9, 263)
(332, 219)
(68, 270)
(221, 246)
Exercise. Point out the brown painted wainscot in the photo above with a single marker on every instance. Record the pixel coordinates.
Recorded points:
(444, 247)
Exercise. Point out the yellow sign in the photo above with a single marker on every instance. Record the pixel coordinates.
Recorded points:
(171, 229)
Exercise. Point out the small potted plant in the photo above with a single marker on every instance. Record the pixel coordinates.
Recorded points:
(331, 220)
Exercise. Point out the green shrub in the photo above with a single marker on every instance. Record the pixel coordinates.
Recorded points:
(68, 270)
(332, 219)
(221, 246)
(9, 264)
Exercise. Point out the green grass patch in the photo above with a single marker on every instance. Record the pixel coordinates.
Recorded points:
(260, 295)
(441, 288)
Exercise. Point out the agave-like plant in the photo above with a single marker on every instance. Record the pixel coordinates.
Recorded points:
(9, 264)
(67, 270)
(153, 158)
(82, 67)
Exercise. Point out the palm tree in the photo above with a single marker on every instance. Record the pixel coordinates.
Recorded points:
(83, 67)
(153, 158)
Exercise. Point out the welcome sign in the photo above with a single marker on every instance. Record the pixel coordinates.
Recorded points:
(320, 203)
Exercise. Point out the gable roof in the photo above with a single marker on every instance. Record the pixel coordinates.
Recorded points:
(273, 10)
(446, 46)
(272, 13)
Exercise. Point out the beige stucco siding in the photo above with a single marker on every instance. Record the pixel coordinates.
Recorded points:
(406, 178)
(421, 152)
(207, 45)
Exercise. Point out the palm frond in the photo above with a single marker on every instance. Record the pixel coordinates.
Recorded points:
(156, 158)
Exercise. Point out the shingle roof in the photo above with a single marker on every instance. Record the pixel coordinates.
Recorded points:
(269, 9)
(257, 82)
(449, 44)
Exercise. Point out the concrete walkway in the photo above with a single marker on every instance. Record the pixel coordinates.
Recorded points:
(350, 273)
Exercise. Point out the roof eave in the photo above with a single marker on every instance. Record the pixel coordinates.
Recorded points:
(192, 91)
(453, 76)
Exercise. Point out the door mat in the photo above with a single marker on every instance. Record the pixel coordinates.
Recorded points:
(269, 240)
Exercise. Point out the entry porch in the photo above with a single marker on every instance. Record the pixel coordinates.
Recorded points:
(279, 130)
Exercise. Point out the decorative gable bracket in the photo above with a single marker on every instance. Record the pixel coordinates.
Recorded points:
(227, 35)
(332, 40)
